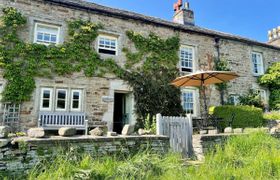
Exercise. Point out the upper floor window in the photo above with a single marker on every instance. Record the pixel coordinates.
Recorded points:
(186, 58)
(188, 101)
(107, 45)
(46, 34)
(257, 62)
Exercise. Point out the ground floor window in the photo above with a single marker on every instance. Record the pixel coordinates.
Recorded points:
(189, 101)
(262, 94)
(233, 99)
(62, 100)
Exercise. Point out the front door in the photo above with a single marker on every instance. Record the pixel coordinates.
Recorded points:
(123, 108)
(119, 112)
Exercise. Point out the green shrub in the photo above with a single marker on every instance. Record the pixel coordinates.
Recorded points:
(274, 115)
(254, 156)
(274, 99)
(245, 116)
(252, 98)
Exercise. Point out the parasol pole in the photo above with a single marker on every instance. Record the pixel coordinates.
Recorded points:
(204, 96)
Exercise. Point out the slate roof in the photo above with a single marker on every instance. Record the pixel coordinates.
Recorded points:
(93, 7)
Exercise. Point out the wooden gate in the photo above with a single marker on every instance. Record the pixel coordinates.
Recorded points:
(179, 130)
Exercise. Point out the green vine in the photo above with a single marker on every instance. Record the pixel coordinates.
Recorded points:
(23, 61)
(221, 65)
(148, 70)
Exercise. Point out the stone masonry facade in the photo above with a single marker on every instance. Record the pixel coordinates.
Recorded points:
(235, 49)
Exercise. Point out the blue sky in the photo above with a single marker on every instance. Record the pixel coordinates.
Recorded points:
(248, 18)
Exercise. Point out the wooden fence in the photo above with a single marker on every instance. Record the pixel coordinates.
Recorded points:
(179, 130)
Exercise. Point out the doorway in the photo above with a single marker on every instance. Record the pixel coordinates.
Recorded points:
(122, 111)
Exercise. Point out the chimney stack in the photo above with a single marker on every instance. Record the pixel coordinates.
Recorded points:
(183, 13)
(274, 36)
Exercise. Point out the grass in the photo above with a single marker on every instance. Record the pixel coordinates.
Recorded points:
(253, 156)
(144, 165)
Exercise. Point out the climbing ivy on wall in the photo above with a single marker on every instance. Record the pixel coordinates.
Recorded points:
(271, 79)
(22, 61)
(148, 70)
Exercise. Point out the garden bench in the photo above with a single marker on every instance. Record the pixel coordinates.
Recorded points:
(56, 120)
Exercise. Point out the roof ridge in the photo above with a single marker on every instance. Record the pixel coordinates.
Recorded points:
(85, 4)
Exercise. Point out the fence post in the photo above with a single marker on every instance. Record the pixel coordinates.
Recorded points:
(86, 127)
(189, 136)
(159, 124)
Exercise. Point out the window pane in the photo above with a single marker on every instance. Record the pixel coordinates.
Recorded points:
(40, 36)
(53, 38)
(61, 104)
(75, 105)
(47, 37)
(61, 94)
(46, 94)
(46, 103)
(76, 95)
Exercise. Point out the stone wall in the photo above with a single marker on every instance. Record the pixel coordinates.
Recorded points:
(24, 153)
(203, 144)
(237, 52)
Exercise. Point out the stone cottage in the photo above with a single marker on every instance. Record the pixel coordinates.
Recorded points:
(109, 100)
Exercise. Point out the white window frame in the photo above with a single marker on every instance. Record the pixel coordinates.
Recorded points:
(66, 99)
(80, 100)
(194, 92)
(104, 48)
(47, 26)
(235, 99)
(260, 65)
(193, 58)
(42, 99)
(264, 98)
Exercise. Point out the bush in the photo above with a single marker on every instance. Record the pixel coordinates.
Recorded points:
(245, 116)
(252, 98)
(274, 115)
(254, 156)
(274, 99)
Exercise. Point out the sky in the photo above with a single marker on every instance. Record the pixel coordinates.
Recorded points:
(247, 18)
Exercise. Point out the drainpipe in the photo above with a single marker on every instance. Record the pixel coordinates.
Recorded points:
(217, 46)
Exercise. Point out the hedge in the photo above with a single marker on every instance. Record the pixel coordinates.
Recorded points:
(245, 116)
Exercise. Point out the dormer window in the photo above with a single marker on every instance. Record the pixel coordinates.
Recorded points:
(107, 45)
(46, 34)
(186, 58)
